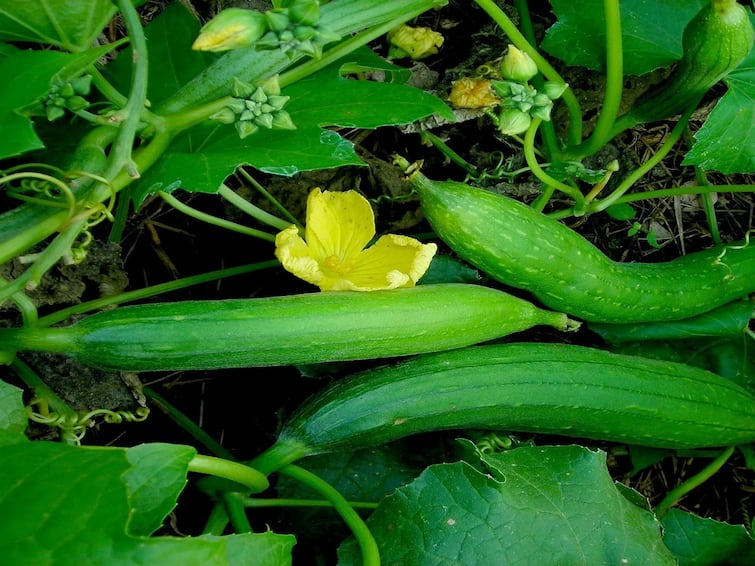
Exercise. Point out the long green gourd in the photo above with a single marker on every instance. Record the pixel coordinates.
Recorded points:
(287, 330)
(522, 248)
(521, 387)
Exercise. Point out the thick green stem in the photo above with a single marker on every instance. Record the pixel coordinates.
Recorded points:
(250, 478)
(647, 166)
(604, 126)
(120, 155)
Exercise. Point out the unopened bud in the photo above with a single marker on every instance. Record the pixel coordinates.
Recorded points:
(224, 116)
(305, 12)
(278, 20)
(554, 90)
(518, 66)
(282, 121)
(513, 121)
(233, 28)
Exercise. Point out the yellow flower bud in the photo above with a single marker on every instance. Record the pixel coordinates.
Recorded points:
(233, 28)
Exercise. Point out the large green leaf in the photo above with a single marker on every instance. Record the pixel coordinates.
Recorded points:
(324, 99)
(651, 33)
(540, 505)
(66, 505)
(696, 541)
(726, 141)
(70, 24)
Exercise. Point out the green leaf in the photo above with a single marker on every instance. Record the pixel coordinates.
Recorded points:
(541, 505)
(31, 72)
(70, 24)
(728, 320)
(621, 211)
(71, 505)
(651, 33)
(447, 269)
(726, 141)
(323, 99)
(157, 477)
(13, 418)
(704, 542)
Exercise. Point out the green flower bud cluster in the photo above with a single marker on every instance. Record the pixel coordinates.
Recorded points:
(296, 29)
(62, 96)
(253, 107)
(520, 101)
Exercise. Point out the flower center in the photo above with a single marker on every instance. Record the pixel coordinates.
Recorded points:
(338, 265)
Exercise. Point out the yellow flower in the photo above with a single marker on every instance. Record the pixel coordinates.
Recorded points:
(332, 254)
(469, 92)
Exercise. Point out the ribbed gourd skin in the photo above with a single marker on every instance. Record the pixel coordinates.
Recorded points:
(546, 388)
(522, 248)
(287, 330)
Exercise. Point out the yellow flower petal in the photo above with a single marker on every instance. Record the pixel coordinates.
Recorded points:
(339, 225)
(394, 261)
(294, 254)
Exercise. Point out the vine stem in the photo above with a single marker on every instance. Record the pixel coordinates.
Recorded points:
(210, 219)
(132, 111)
(531, 159)
(604, 125)
(516, 37)
(673, 496)
(547, 131)
(151, 291)
(367, 544)
(648, 165)
(254, 211)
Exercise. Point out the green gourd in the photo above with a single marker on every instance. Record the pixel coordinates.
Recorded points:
(546, 388)
(523, 248)
(286, 330)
